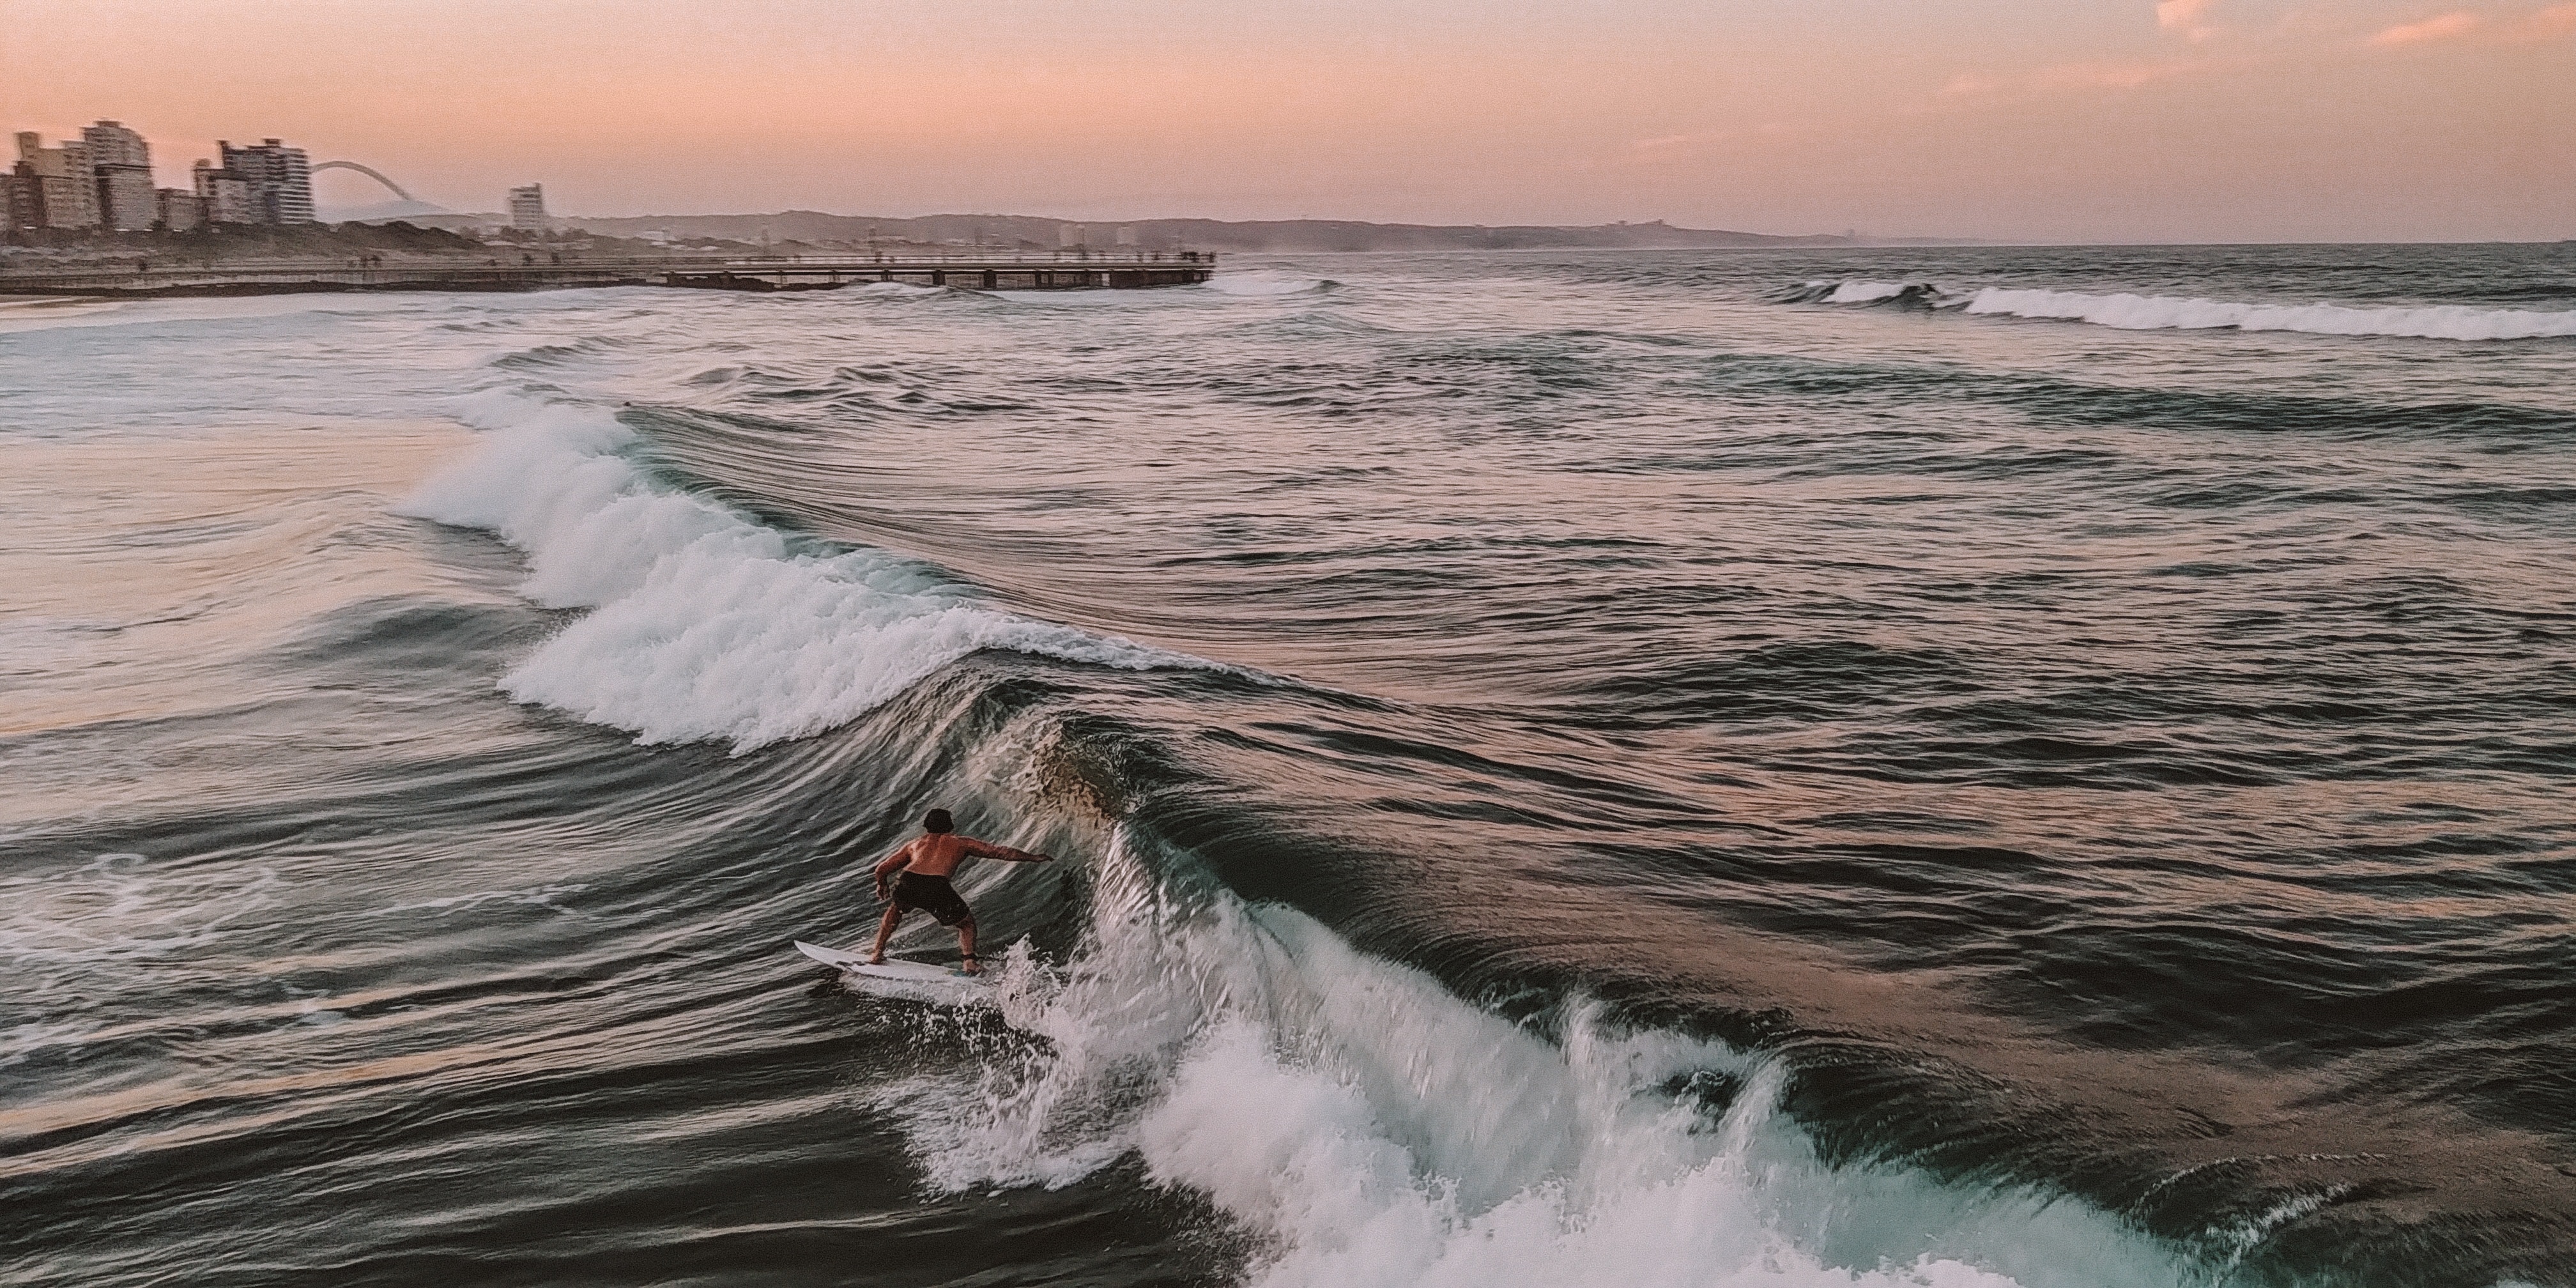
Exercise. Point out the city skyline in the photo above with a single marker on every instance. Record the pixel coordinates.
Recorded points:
(2125, 120)
(105, 180)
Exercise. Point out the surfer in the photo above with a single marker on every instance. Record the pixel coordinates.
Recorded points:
(916, 876)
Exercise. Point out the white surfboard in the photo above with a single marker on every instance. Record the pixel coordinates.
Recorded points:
(894, 977)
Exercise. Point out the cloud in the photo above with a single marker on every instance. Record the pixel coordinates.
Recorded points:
(1977, 89)
(2187, 17)
(2110, 75)
(2427, 31)
(2556, 20)
(1669, 147)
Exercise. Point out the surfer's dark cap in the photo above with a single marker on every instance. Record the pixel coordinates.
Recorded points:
(937, 821)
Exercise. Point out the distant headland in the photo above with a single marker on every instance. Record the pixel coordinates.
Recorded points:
(1264, 235)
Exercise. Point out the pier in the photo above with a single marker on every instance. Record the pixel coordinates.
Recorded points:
(989, 271)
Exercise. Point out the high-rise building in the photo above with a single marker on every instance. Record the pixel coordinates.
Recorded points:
(110, 143)
(19, 206)
(181, 210)
(125, 200)
(122, 163)
(1071, 235)
(225, 196)
(66, 186)
(528, 206)
(281, 181)
(1126, 234)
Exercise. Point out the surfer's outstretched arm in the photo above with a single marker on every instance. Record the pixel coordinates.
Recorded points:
(887, 867)
(988, 850)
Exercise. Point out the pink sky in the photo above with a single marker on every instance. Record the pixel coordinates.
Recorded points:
(2117, 120)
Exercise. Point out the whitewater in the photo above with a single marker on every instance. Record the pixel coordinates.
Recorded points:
(2149, 312)
(706, 624)
(1375, 1131)
(2129, 311)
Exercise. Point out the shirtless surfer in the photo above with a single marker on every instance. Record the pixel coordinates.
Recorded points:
(918, 874)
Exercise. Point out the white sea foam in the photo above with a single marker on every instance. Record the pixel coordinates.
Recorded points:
(1371, 1129)
(1264, 281)
(897, 290)
(705, 624)
(92, 312)
(1863, 292)
(67, 933)
(123, 908)
(2161, 312)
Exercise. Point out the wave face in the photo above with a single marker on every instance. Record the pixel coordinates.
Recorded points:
(1578, 770)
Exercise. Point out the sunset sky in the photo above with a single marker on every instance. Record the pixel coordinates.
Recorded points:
(2111, 120)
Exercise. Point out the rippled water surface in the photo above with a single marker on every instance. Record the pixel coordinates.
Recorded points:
(1957, 767)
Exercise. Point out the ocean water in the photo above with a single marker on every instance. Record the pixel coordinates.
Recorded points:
(1962, 767)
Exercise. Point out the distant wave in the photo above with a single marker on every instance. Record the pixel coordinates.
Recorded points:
(2165, 312)
(2132, 312)
(1268, 282)
(2525, 291)
(899, 290)
(1860, 291)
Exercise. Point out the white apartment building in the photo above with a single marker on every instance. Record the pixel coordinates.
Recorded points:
(67, 187)
(224, 196)
(125, 198)
(280, 179)
(528, 206)
(110, 143)
(23, 193)
(123, 163)
(180, 209)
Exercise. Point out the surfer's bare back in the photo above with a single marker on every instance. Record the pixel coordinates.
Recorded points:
(916, 876)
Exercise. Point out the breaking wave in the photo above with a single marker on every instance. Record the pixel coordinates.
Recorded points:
(704, 624)
(1862, 291)
(1369, 1128)
(2133, 312)
(2164, 312)
(1268, 282)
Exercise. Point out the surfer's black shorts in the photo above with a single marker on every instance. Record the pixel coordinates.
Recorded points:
(933, 895)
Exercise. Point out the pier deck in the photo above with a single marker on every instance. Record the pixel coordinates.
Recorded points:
(1003, 271)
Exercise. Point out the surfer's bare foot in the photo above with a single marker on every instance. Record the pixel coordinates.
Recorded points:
(970, 967)
(876, 959)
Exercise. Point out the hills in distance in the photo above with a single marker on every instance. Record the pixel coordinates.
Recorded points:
(814, 227)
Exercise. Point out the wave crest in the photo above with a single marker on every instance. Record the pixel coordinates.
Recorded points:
(706, 625)
(2133, 312)
(1263, 281)
(2165, 312)
(1863, 291)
